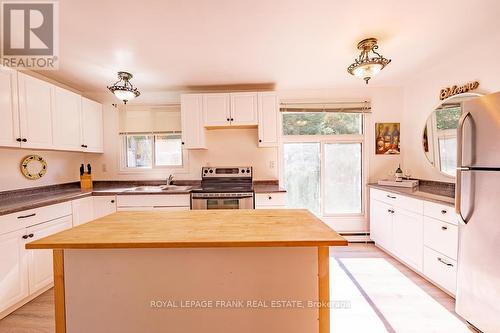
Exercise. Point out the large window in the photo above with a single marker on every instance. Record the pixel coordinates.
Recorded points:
(323, 162)
(152, 150)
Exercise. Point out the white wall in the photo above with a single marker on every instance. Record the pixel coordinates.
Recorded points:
(473, 61)
(62, 167)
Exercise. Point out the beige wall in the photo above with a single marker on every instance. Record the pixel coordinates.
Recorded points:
(63, 167)
(475, 61)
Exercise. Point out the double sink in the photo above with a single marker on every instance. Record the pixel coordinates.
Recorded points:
(160, 188)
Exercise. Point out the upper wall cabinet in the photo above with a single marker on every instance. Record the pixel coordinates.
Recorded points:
(92, 135)
(66, 120)
(228, 110)
(193, 132)
(244, 109)
(234, 109)
(268, 119)
(35, 112)
(216, 109)
(9, 112)
(39, 115)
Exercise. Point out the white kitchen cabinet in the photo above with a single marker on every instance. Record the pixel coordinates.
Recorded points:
(440, 269)
(270, 200)
(192, 121)
(9, 111)
(216, 109)
(381, 221)
(66, 120)
(83, 210)
(13, 269)
(244, 109)
(36, 102)
(408, 237)
(153, 202)
(40, 261)
(420, 233)
(104, 205)
(268, 113)
(92, 126)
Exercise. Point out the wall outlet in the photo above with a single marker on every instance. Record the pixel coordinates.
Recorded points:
(104, 167)
(272, 164)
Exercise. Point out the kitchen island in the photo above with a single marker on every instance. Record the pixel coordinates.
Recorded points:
(193, 271)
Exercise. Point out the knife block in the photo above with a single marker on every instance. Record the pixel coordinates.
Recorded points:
(86, 181)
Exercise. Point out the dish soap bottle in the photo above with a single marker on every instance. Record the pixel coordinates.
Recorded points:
(399, 174)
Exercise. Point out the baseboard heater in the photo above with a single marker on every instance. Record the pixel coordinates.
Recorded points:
(357, 237)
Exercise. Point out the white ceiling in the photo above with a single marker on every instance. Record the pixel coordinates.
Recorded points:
(177, 44)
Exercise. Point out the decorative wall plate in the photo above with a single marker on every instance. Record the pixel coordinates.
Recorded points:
(33, 167)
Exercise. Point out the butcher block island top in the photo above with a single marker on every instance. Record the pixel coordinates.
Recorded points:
(197, 229)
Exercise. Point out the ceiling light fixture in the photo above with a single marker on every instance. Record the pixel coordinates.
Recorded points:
(123, 89)
(369, 62)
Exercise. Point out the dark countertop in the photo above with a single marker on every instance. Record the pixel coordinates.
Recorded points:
(426, 193)
(19, 203)
(19, 200)
(267, 188)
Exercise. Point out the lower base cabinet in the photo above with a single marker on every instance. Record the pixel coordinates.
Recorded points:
(104, 205)
(13, 269)
(40, 261)
(407, 237)
(273, 200)
(421, 234)
(82, 210)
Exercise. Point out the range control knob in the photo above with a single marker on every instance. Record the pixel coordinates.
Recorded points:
(211, 171)
(205, 171)
(242, 170)
(248, 170)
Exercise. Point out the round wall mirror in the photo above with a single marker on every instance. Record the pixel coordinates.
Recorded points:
(439, 138)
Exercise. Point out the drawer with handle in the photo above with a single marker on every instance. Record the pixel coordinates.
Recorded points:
(440, 212)
(398, 200)
(441, 237)
(440, 269)
(27, 218)
(270, 199)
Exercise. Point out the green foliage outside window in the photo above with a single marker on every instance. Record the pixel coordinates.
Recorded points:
(321, 123)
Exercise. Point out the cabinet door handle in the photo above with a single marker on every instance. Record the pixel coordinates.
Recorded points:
(31, 235)
(391, 196)
(444, 211)
(25, 237)
(232, 119)
(444, 262)
(228, 119)
(270, 197)
(444, 228)
(390, 211)
(182, 142)
(26, 216)
(112, 201)
(25, 140)
(18, 139)
(260, 140)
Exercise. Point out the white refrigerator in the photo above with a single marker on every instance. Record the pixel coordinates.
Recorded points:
(477, 205)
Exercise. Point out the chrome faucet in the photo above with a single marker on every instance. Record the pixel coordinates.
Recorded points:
(170, 180)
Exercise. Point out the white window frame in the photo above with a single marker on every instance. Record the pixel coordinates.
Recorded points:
(162, 169)
(349, 222)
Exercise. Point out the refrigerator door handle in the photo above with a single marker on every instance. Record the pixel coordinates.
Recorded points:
(460, 168)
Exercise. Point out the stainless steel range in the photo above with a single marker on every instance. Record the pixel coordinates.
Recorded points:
(224, 188)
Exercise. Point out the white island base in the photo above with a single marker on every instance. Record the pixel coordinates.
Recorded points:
(162, 290)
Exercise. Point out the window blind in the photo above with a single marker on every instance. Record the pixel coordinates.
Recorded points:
(346, 107)
(150, 119)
